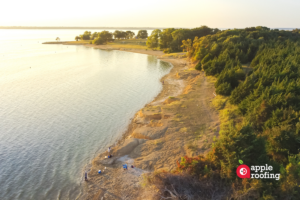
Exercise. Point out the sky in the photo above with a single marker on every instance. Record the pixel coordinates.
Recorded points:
(152, 13)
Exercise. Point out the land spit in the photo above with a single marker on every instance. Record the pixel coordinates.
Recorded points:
(179, 121)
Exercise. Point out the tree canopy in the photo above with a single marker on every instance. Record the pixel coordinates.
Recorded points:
(143, 34)
(172, 38)
(267, 101)
(153, 39)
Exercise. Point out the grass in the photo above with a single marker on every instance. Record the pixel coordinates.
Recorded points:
(130, 44)
(183, 130)
(79, 42)
(191, 146)
(175, 55)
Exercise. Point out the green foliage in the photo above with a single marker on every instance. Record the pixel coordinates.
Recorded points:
(119, 34)
(206, 58)
(143, 34)
(129, 34)
(224, 89)
(105, 35)
(99, 41)
(179, 39)
(198, 66)
(167, 51)
(86, 35)
(152, 40)
(264, 127)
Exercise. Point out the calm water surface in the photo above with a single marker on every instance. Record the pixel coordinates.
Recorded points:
(60, 105)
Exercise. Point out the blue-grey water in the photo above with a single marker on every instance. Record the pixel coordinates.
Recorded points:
(60, 105)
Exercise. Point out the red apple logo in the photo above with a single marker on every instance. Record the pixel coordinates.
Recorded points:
(243, 171)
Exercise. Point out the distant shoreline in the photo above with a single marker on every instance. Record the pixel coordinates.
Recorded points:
(58, 27)
(110, 28)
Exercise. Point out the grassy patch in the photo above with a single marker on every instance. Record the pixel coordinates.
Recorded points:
(175, 55)
(219, 102)
(130, 44)
(79, 42)
(192, 146)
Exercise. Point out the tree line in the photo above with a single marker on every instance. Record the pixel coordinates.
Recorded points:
(264, 127)
(262, 112)
(170, 39)
(104, 37)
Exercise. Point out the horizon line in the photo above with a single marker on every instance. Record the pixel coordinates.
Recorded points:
(113, 27)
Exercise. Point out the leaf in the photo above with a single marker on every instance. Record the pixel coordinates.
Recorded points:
(241, 162)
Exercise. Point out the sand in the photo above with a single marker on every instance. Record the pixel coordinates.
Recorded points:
(160, 134)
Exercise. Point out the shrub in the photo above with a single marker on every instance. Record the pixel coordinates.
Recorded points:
(99, 41)
(198, 66)
(224, 89)
(207, 58)
(168, 50)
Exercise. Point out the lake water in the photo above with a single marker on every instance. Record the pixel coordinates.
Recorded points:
(60, 106)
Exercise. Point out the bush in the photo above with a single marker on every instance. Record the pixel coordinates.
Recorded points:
(99, 41)
(168, 50)
(207, 58)
(224, 89)
(240, 74)
(198, 66)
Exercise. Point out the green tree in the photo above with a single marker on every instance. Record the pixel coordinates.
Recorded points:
(224, 89)
(105, 35)
(86, 35)
(153, 39)
(129, 34)
(77, 38)
(117, 34)
(166, 38)
(187, 44)
(94, 35)
(99, 41)
(143, 34)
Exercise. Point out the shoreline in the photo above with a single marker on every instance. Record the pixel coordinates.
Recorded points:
(149, 143)
(161, 96)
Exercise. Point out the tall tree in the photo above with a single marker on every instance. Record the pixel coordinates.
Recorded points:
(143, 34)
(117, 34)
(187, 44)
(94, 35)
(129, 34)
(105, 35)
(86, 35)
(153, 39)
(166, 38)
(178, 36)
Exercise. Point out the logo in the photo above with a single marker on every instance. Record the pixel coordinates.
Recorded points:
(258, 172)
(243, 171)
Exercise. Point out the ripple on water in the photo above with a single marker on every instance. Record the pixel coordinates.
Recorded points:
(63, 111)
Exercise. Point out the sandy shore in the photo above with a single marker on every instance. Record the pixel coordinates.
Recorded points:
(178, 122)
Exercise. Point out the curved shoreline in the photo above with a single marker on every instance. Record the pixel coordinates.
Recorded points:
(151, 141)
(176, 64)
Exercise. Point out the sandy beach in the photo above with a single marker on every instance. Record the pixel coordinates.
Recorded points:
(179, 121)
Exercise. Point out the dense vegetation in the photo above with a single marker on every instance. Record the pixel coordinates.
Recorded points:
(261, 123)
(170, 39)
(105, 36)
